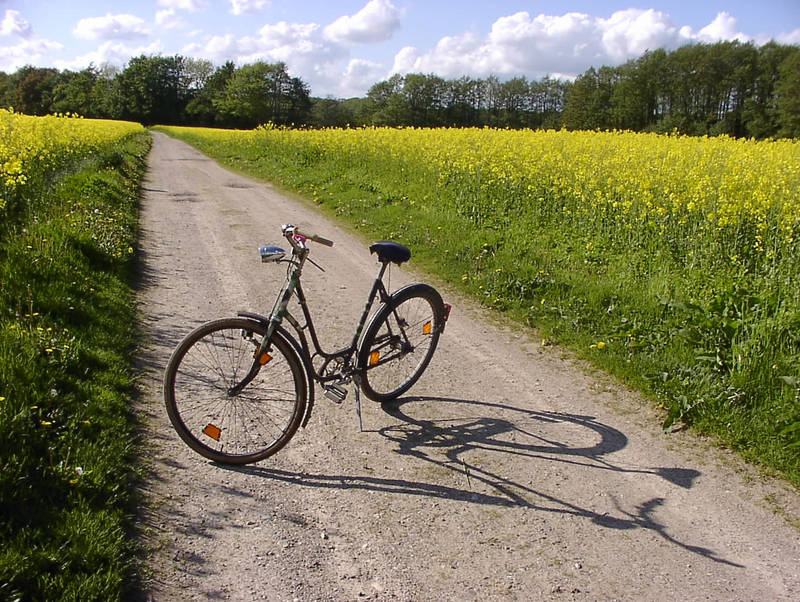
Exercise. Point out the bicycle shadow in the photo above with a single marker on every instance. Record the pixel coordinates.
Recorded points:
(444, 443)
(485, 433)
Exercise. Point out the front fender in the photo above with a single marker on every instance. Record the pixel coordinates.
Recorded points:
(310, 388)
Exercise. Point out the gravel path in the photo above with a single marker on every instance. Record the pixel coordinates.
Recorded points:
(509, 472)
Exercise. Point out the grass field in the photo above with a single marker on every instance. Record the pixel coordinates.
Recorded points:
(668, 261)
(70, 190)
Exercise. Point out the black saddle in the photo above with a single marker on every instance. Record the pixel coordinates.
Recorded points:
(390, 251)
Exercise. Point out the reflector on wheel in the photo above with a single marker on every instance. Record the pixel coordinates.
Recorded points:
(212, 431)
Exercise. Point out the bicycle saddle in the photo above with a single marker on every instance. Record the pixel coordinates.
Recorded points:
(390, 251)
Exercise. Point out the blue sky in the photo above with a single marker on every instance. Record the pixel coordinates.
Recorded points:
(342, 47)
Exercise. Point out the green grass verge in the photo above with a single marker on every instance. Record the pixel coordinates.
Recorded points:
(714, 344)
(67, 452)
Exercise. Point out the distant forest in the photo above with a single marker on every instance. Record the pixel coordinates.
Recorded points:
(732, 88)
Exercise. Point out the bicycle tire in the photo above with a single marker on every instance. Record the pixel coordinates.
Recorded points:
(241, 428)
(399, 342)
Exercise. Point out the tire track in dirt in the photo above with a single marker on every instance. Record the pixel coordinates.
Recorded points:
(508, 472)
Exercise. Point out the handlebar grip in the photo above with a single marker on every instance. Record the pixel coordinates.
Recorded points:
(321, 240)
(315, 237)
(289, 231)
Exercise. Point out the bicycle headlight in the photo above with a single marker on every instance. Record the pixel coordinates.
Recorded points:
(271, 253)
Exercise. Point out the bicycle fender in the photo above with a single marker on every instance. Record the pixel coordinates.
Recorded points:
(310, 383)
(285, 334)
(395, 298)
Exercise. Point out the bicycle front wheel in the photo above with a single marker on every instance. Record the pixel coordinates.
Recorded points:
(211, 414)
(399, 342)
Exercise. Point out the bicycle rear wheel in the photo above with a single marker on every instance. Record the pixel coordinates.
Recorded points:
(399, 342)
(224, 425)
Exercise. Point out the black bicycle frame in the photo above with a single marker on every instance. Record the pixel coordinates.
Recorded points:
(281, 312)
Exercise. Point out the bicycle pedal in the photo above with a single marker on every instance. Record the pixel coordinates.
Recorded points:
(335, 393)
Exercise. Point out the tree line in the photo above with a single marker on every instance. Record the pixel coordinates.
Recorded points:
(726, 88)
(732, 88)
(172, 90)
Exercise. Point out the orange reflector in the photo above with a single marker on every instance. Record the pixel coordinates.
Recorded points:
(374, 357)
(427, 328)
(265, 358)
(212, 431)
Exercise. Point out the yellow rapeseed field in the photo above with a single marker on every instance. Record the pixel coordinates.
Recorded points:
(646, 184)
(33, 146)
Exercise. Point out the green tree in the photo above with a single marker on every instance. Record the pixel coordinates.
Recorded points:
(589, 105)
(547, 100)
(33, 90)
(463, 100)
(387, 106)
(329, 112)
(200, 109)
(760, 110)
(262, 93)
(150, 90)
(73, 92)
(787, 92)
(513, 100)
(6, 90)
(104, 96)
(425, 96)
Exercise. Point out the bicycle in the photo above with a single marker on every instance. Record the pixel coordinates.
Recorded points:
(237, 389)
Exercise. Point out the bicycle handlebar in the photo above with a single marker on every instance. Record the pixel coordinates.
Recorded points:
(317, 238)
(289, 231)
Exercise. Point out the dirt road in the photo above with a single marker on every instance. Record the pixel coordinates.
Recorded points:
(508, 473)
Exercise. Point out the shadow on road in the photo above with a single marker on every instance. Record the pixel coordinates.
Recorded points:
(445, 443)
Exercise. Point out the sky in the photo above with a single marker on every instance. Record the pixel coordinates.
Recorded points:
(340, 48)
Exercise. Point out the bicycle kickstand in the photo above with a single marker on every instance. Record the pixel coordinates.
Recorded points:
(357, 383)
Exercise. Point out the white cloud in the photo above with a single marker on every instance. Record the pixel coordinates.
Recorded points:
(248, 7)
(793, 37)
(723, 27)
(277, 42)
(357, 77)
(376, 22)
(169, 19)
(14, 24)
(632, 32)
(29, 49)
(111, 27)
(192, 6)
(304, 48)
(568, 44)
(289, 34)
(111, 52)
(27, 52)
(517, 44)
